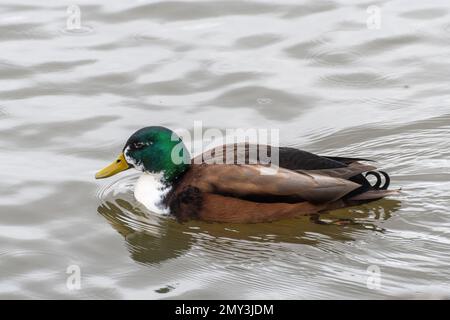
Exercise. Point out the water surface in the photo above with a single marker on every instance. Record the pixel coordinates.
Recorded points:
(313, 69)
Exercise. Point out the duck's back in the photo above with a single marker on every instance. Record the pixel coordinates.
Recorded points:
(284, 157)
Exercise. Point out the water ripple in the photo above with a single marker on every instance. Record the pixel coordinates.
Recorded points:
(313, 69)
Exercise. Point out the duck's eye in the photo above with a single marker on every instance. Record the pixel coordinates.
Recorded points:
(139, 145)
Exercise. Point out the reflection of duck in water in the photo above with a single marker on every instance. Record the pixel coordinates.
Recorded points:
(304, 184)
(152, 239)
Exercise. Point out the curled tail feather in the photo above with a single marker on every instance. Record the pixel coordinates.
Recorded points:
(377, 185)
(377, 190)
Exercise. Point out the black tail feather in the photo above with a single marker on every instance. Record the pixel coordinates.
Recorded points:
(387, 180)
(377, 184)
(366, 185)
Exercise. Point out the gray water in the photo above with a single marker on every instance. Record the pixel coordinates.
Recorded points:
(331, 82)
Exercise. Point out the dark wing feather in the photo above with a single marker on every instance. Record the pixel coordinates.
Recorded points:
(347, 160)
(288, 158)
(295, 159)
(353, 169)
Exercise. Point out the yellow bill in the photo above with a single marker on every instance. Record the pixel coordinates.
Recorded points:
(114, 168)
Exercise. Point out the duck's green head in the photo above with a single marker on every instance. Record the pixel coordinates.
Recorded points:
(153, 150)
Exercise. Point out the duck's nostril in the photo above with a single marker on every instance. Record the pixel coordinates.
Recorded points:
(118, 161)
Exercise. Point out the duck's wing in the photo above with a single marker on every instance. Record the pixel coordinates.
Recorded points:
(285, 157)
(351, 170)
(346, 160)
(265, 184)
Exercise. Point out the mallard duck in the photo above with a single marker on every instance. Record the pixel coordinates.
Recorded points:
(206, 188)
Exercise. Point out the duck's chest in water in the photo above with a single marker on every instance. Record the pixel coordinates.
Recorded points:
(150, 191)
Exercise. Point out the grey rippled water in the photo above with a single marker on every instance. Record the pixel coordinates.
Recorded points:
(313, 69)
